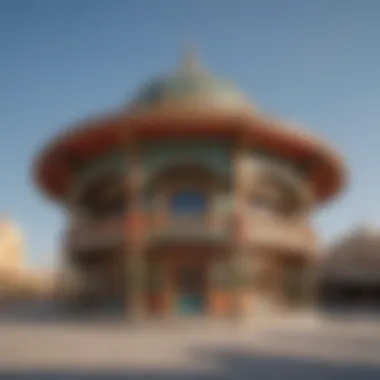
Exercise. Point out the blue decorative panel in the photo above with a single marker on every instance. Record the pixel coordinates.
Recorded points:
(187, 201)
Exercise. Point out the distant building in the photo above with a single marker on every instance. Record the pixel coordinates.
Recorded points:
(11, 246)
(189, 201)
(16, 279)
(350, 271)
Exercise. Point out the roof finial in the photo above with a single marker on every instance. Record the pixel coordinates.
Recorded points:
(189, 62)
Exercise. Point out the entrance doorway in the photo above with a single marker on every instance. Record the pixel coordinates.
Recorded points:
(104, 290)
(191, 290)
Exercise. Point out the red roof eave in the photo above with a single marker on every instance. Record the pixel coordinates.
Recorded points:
(100, 135)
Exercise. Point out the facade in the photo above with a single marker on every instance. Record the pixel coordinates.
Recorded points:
(189, 201)
(349, 275)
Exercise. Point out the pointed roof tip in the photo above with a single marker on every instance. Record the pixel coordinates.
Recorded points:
(189, 62)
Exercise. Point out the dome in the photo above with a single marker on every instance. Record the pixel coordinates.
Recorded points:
(191, 84)
(188, 103)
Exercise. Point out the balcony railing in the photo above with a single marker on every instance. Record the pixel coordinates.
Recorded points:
(96, 234)
(216, 225)
(293, 234)
(197, 228)
(213, 225)
(156, 227)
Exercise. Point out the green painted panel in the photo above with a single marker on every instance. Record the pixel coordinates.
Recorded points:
(215, 156)
(116, 160)
(182, 85)
(190, 304)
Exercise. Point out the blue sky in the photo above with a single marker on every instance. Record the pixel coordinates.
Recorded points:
(313, 62)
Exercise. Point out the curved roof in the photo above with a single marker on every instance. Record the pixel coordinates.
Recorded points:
(191, 84)
(189, 103)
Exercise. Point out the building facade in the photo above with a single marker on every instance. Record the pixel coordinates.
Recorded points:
(189, 201)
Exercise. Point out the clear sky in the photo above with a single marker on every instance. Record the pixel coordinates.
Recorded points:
(313, 62)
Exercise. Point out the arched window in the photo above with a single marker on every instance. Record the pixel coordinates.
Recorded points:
(187, 202)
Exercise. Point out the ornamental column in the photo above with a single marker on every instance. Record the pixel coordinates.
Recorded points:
(135, 244)
(310, 282)
(239, 250)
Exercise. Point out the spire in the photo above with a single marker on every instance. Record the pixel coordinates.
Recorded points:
(189, 63)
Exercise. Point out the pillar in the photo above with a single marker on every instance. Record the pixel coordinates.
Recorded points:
(238, 250)
(310, 284)
(236, 285)
(136, 279)
(136, 292)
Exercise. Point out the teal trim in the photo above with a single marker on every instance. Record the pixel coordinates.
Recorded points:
(115, 160)
(212, 155)
(184, 84)
(190, 304)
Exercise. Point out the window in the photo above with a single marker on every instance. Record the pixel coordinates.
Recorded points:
(187, 202)
(104, 199)
(116, 206)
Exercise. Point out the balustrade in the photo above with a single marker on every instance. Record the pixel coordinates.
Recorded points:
(289, 233)
(96, 234)
(216, 223)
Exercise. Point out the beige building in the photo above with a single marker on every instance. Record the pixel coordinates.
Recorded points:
(190, 201)
(16, 279)
(350, 271)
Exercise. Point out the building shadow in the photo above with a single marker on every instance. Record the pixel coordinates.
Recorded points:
(56, 312)
(243, 365)
(350, 313)
(227, 364)
(325, 338)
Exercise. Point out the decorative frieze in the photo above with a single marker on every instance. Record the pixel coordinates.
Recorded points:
(280, 232)
(214, 156)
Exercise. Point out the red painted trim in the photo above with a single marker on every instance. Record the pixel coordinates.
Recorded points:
(89, 143)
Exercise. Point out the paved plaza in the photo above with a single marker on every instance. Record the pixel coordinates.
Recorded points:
(297, 347)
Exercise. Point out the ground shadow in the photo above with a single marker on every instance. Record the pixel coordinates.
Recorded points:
(243, 365)
(51, 311)
(228, 364)
(324, 339)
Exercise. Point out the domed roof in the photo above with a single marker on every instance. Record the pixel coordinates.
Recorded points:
(188, 103)
(192, 85)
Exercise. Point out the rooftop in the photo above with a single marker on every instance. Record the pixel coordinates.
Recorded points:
(191, 83)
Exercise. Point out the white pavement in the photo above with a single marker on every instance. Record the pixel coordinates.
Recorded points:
(298, 347)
